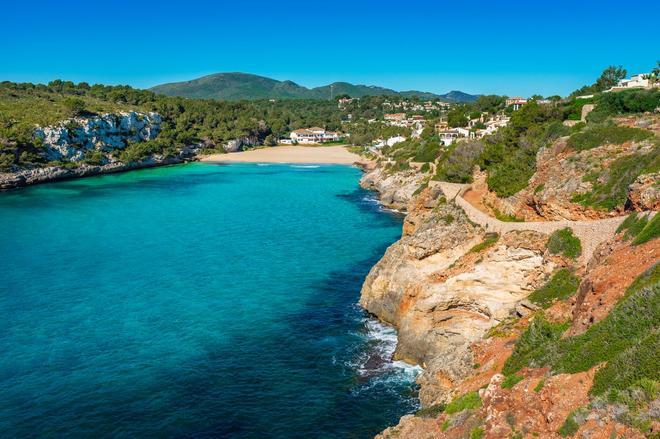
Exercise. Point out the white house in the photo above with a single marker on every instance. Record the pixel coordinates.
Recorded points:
(635, 81)
(389, 142)
(313, 135)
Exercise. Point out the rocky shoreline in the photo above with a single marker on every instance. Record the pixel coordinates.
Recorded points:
(50, 174)
(448, 284)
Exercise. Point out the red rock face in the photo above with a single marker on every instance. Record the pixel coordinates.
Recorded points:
(606, 283)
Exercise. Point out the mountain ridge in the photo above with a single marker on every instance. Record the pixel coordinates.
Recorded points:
(238, 86)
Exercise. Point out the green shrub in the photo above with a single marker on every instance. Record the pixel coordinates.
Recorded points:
(539, 188)
(651, 231)
(624, 102)
(627, 339)
(613, 193)
(468, 401)
(511, 381)
(570, 425)
(477, 433)
(563, 284)
(489, 240)
(534, 345)
(564, 242)
(505, 217)
(539, 386)
(598, 135)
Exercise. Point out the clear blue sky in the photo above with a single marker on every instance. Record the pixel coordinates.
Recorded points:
(504, 47)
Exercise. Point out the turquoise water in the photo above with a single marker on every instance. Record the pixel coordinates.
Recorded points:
(197, 300)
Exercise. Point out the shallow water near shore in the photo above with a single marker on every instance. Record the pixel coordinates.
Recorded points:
(196, 300)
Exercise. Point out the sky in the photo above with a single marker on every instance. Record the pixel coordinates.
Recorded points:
(502, 47)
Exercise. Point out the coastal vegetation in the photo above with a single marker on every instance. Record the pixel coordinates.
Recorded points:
(626, 339)
(564, 242)
(562, 285)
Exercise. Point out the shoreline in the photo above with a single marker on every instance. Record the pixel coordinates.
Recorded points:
(328, 155)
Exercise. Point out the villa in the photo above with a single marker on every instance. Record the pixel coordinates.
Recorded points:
(313, 135)
(516, 102)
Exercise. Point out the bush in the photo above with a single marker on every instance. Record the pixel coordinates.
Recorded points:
(562, 285)
(489, 240)
(534, 344)
(613, 193)
(570, 425)
(564, 242)
(458, 162)
(598, 135)
(511, 381)
(505, 217)
(651, 231)
(629, 101)
(627, 339)
(468, 401)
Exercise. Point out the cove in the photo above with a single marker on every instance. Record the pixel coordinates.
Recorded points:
(197, 300)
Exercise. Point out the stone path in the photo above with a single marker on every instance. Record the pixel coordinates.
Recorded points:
(591, 233)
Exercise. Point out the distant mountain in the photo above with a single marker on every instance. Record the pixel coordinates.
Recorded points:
(236, 86)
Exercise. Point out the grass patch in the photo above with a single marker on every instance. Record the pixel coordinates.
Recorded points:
(511, 381)
(649, 232)
(431, 411)
(489, 240)
(505, 217)
(564, 242)
(534, 344)
(627, 339)
(445, 425)
(539, 386)
(598, 135)
(468, 401)
(611, 190)
(570, 425)
(539, 188)
(562, 285)
(477, 433)
(639, 228)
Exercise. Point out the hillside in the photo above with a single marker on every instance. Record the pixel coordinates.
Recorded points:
(237, 86)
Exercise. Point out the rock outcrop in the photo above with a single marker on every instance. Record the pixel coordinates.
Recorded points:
(396, 189)
(72, 139)
(441, 296)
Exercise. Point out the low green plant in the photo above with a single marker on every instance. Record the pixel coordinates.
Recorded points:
(649, 232)
(564, 242)
(539, 386)
(511, 380)
(534, 345)
(445, 425)
(627, 340)
(610, 186)
(489, 240)
(570, 426)
(477, 433)
(468, 401)
(506, 217)
(539, 188)
(562, 285)
(598, 135)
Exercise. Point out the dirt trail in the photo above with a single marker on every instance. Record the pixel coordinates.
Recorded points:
(591, 233)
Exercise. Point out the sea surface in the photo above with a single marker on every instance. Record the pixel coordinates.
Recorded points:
(198, 300)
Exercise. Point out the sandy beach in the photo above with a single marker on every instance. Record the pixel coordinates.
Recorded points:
(289, 154)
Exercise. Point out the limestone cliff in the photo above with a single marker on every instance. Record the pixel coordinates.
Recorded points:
(458, 297)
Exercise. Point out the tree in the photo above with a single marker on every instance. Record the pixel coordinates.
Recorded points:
(610, 77)
(74, 106)
(456, 117)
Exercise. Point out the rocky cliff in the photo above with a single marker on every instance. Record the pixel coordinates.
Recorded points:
(72, 139)
(459, 298)
(86, 146)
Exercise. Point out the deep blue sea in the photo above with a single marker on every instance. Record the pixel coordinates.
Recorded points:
(197, 300)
